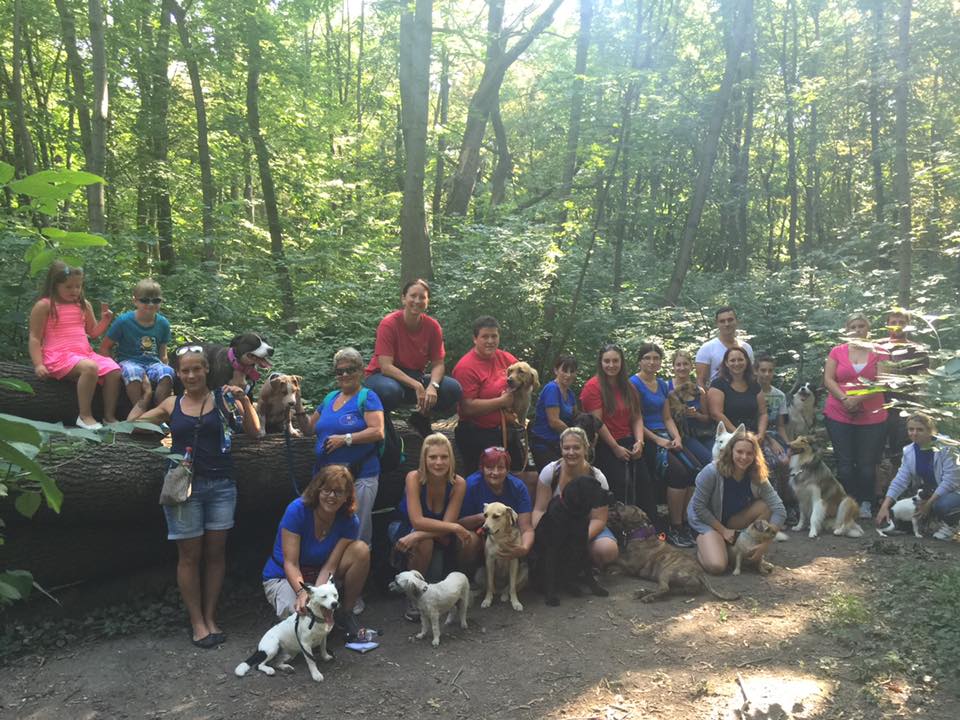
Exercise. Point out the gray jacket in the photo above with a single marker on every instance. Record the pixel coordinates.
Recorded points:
(944, 472)
(707, 502)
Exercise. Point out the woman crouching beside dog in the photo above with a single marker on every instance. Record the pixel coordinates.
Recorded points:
(555, 476)
(199, 525)
(317, 540)
(729, 495)
(429, 510)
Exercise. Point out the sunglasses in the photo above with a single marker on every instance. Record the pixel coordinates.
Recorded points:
(150, 301)
(328, 492)
(68, 271)
(494, 454)
(189, 349)
(340, 372)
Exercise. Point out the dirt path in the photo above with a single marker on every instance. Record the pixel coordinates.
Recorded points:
(799, 641)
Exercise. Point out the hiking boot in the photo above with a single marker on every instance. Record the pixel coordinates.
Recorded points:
(866, 510)
(678, 538)
(420, 423)
(348, 624)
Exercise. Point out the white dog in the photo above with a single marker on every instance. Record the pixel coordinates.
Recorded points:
(723, 437)
(298, 633)
(500, 523)
(435, 599)
(905, 511)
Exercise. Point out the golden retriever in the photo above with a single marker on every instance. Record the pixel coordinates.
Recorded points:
(522, 380)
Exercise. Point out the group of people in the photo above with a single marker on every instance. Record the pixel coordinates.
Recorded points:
(637, 446)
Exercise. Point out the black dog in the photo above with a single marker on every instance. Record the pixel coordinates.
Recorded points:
(590, 424)
(238, 364)
(561, 542)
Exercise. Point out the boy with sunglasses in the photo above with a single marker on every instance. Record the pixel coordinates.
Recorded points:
(141, 337)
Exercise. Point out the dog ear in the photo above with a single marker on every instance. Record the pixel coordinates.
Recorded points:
(485, 506)
(513, 516)
(720, 429)
(536, 378)
(308, 588)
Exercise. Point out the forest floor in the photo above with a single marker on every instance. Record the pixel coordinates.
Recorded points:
(830, 634)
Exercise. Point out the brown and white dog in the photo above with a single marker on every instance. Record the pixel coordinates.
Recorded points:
(801, 414)
(522, 380)
(823, 501)
(279, 395)
(502, 533)
(759, 531)
(678, 398)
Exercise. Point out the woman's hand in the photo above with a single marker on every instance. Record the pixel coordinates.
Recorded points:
(463, 535)
(426, 399)
(405, 544)
(851, 404)
(334, 442)
(506, 399)
(923, 509)
(883, 516)
(728, 535)
(41, 371)
(756, 555)
(637, 449)
(300, 606)
(675, 443)
(106, 314)
(621, 453)
(663, 442)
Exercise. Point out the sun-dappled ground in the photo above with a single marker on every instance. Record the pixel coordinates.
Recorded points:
(842, 629)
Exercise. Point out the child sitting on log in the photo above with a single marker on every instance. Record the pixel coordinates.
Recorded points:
(141, 337)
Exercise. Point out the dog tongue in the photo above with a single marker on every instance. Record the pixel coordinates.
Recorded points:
(264, 363)
(328, 616)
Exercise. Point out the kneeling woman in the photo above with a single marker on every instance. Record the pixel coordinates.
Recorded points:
(730, 494)
(318, 540)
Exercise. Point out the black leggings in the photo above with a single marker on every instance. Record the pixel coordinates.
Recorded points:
(641, 490)
(857, 450)
(682, 467)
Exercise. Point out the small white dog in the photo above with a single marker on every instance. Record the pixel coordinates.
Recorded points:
(434, 599)
(500, 523)
(298, 633)
(905, 510)
(723, 437)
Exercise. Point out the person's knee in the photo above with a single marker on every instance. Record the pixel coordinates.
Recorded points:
(713, 566)
(358, 552)
(87, 368)
(603, 552)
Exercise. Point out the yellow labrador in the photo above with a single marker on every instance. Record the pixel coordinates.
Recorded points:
(500, 523)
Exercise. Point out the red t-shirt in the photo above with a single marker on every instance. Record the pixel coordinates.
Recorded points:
(619, 423)
(483, 380)
(409, 350)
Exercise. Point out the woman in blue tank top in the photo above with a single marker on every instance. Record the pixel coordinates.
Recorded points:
(199, 419)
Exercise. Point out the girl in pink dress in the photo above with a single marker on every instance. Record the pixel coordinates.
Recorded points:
(60, 322)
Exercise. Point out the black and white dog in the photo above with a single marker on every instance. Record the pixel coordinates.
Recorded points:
(239, 363)
(802, 411)
(904, 510)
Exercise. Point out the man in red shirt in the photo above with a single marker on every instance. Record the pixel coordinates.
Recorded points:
(482, 373)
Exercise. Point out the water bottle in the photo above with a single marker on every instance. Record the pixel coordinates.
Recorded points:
(231, 404)
(187, 457)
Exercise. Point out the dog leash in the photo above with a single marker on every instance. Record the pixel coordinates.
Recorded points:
(289, 453)
(296, 631)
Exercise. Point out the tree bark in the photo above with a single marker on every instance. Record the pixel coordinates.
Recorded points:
(160, 138)
(23, 143)
(901, 176)
(741, 12)
(788, 69)
(416, 33)
(498, 61)
(576, 104)
(442, 116)
(99, 116)
(207, 187)
(503, 172)
(812, 190)
(874, 105)
(266, 177)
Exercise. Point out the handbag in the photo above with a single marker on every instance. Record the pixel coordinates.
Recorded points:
(178, 482)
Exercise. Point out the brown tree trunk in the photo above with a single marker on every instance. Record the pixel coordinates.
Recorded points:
(901, 161)
(503, 172)
(812, 190)
(874, 105)
(100, 115)
(266, 177)
(23, 143)
(416, 33)
(741, 12)
(788, 69)
(442, 116)
(160, 138)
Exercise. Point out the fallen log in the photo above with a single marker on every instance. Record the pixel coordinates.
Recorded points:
(52, 400)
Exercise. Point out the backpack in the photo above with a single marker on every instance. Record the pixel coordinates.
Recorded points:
(390, 449)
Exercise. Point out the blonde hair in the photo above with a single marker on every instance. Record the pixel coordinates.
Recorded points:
(923, 419)
(758, 472)
(681, 354)
(147, 287)
(854, 317)
(436, 439)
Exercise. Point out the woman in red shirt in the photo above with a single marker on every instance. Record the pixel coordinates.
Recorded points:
(611, 397)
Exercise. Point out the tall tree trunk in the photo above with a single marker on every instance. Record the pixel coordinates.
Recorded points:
(740, 12)
(901, 175)
(23, 144)
(812, 190)
(99, 115)
(416, 35)
(576, 105)
(874, 105)
(266, 177)
(207, 188)
(160, 138)
(143, 62)
(788, 68)
(743, 167)
(503, 172)
(498, 61)
(442, 116)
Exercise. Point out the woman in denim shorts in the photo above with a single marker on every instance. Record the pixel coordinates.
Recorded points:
(199, 526)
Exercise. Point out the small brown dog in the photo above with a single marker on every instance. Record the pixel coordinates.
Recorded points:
(278, 396)
(759, 531)
(647, 556)
(678, 398)
(523, 380)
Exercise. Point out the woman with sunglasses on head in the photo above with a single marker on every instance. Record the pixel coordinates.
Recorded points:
(348, 425)
(199, 419)
(318, 540)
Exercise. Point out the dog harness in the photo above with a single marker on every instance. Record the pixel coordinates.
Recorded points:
(249, 370)
(296, 631)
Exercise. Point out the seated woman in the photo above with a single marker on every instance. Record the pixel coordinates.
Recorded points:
(429, 511)
(698, 426)
(729, 495)
(348, 434)
(317, 540)
(493, 482)
(556, 408)
(407, 341)
(575, 450)
(663, 450)
(735, 397)
(927, 464)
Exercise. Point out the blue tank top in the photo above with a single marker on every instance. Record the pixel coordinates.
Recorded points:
(208, 460)
(424, 508)
(651, 402)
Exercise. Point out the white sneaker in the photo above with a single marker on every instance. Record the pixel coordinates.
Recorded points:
(359, 606)
(866, 510)
(946, 532)
(84, 426)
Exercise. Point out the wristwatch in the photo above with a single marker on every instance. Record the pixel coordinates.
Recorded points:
(434, 384)
(348, 439)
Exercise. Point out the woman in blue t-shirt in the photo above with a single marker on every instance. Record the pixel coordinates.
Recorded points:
(663, 450)
(316, 541)
(556, 408)
(348, 425)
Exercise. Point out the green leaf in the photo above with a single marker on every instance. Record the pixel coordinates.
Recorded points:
(55, 428)
(67, 239)
(14, 431)
(42, 261)
(7, 591)
(952, 367)
(6, 173)
(27, 503)
(51, 492)
(16, 385)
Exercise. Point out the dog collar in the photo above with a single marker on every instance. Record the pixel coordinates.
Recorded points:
(249, 370)
(642, 533)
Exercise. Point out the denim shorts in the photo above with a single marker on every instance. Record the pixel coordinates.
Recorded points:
(605, 533)
(133, 371)
(209, 507)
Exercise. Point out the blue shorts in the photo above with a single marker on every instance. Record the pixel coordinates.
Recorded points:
(210, 507)
(605, 533)
(132, 371)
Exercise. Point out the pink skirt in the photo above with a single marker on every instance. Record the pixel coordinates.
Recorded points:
(60, 363)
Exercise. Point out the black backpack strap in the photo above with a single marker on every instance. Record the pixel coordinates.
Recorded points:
(556, 477)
